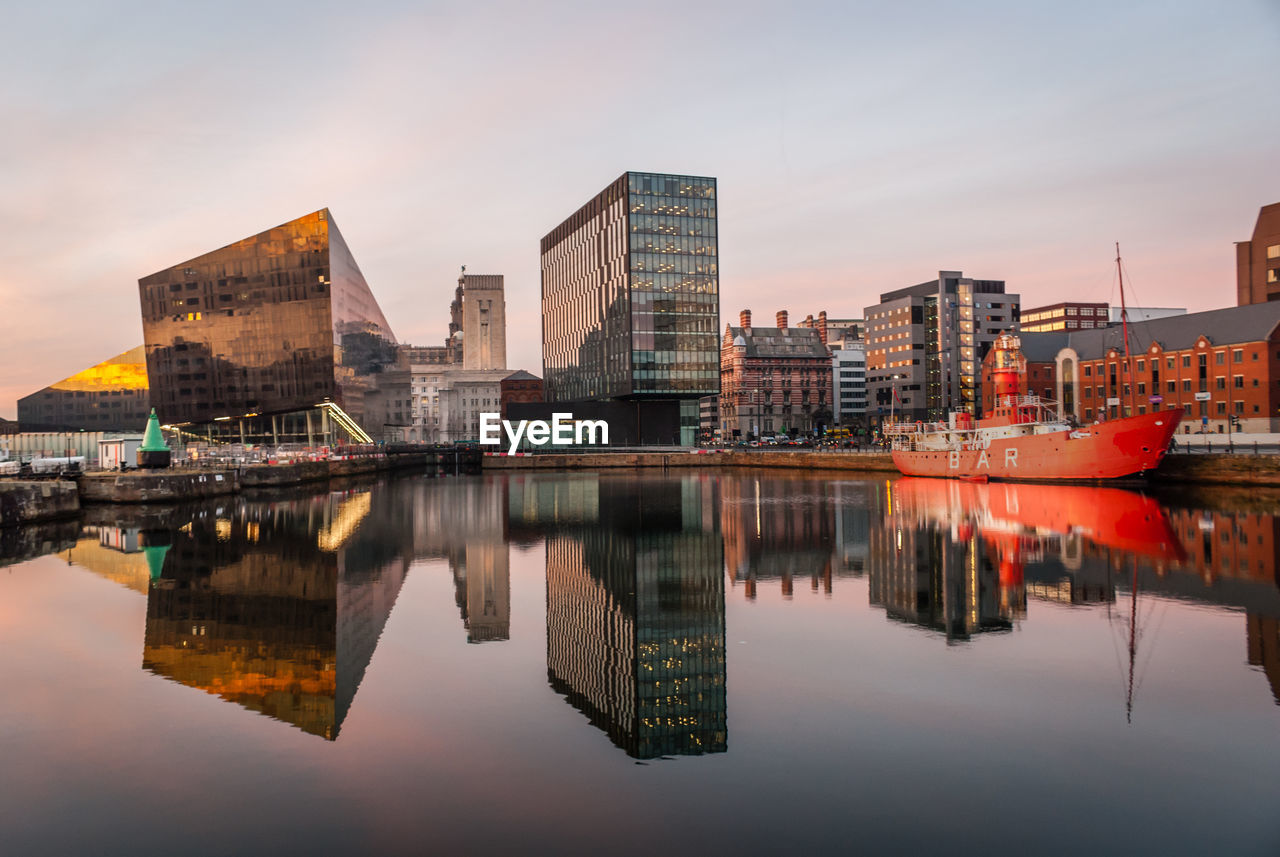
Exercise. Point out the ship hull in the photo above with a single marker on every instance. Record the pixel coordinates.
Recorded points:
(1109, 450)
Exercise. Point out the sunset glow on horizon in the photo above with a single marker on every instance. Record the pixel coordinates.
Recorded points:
(858, 148)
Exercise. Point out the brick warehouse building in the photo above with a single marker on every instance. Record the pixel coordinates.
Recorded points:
(520, 387)
(773, 380)
(1216, 365)
(1258, 260)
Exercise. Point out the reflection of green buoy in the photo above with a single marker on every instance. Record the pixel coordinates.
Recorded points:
(155, 559)
(153, 452)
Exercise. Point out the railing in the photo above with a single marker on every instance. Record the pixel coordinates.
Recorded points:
(1227, 446)
(915, 427)
(344, 420)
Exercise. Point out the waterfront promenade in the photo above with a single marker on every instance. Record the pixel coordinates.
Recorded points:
(25, 501)
(1198, 465)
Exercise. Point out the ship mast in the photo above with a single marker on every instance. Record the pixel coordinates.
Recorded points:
(1124, 326)
(1133, 643)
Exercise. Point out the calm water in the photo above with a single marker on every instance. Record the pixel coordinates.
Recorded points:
(738, 663)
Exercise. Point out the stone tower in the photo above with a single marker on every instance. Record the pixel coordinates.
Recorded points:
(484, 321)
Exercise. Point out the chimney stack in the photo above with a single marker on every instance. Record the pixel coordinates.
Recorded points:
(744, 321)
(822, 326)
(782, 319)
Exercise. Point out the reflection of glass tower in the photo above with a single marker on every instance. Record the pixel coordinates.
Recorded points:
(635, 617)
(276, 607)
(922, 576)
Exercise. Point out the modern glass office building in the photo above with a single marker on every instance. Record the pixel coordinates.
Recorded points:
(111, 396)
(272, 337)
(631, 296)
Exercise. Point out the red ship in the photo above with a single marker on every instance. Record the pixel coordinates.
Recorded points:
(1028, 438)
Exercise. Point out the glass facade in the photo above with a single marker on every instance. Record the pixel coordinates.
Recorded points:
(630, 293)
(635, 610)
(111, 396)
(273, 324)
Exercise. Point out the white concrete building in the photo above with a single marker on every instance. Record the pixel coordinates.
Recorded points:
(849, 377)
(448, 401)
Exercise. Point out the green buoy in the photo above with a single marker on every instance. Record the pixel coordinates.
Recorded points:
(153, 453)
(155, 559)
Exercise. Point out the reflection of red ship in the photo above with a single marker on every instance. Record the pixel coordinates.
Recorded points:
(1026, 439)
(1110, 517)
(1013, 518)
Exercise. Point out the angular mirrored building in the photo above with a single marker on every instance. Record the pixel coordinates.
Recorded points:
(631, 298)
(272, 338)
(111, 396)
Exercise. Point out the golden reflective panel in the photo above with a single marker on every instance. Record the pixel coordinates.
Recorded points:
(110, 396)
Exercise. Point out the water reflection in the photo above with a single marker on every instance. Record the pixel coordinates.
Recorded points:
(785, 528)
(277, 603)
(954, 555)
(635, 607)
(276, 607)
(953, 628)
(464, 522)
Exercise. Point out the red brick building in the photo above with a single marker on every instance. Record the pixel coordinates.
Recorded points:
(1216, 365)
(519, 386)
(1258, 260)
(773, 380)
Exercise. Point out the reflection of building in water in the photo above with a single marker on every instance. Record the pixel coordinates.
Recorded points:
(1264, 648)
(19, 544)
(275, 606)
(1065, 581)
(919, 574)
(1238, 545)
(116, 554)
(464, 521)
(482, 586)
(776, 528)
(635, 610)
(854, 502)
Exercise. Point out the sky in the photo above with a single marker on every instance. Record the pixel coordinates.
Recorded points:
(859, 147)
